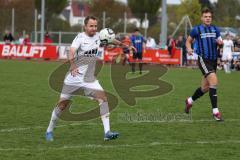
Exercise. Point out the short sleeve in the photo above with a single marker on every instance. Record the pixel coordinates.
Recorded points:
(76, 42)
(193, 33)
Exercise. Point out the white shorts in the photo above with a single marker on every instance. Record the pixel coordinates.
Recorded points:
(72, 85)
(227, 56)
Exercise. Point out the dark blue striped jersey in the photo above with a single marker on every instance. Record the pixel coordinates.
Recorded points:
(137, 42)
(205, 41)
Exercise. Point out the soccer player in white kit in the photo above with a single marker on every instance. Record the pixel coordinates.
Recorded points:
(227, 53)
(81, 75)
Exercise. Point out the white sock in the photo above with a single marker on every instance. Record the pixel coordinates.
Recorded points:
(215, 110)
(225, 67)
(53, 120)
(106, 122)
(190, 100)
(229, 67)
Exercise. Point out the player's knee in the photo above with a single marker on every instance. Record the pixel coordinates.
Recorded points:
(213, 86)
(213, 83)
(101, 100)
(101, 97)
(104, 98)
(205, 89)
(212, 80)
(63, 104)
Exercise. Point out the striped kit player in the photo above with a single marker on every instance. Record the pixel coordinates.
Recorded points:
(207, 38)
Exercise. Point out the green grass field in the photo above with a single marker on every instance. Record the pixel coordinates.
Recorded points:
(26, 103)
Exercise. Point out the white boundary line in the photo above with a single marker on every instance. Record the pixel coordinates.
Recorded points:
(145, 145)
(121, 122)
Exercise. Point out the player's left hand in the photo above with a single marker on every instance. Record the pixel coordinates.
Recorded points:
(219, 42)
(190, 51)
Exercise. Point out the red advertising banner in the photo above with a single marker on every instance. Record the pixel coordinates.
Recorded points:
(150, 56)
(28, 51)
(50, 52)
(111, 53)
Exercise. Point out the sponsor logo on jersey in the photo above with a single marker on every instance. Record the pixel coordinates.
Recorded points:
(91, 53)
(208, 35)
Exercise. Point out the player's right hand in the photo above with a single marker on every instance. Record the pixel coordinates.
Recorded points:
(190, 52)
(74, 70)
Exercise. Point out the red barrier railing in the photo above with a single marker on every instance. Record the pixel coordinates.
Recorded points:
(52, 53)
(28, 51)
(150, 56)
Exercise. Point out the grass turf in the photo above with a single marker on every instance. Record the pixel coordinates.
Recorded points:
(27, 102)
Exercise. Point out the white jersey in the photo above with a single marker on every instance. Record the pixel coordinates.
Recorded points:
(227, 46)
(86, 55)
(85, 58)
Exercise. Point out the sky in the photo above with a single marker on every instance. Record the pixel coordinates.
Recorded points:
(168, 1)
(179, 1)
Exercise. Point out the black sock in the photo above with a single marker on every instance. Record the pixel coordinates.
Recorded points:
(133, 67)
(140, 67)
(213, 96)
(197, 94)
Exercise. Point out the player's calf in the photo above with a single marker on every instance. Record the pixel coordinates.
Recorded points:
(58, 109)
(104, 112)
(213, 99)
(189, 101)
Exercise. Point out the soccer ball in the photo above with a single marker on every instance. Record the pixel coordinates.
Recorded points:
(107, 35)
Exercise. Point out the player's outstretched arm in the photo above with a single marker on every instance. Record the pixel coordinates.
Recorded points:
(119, 43)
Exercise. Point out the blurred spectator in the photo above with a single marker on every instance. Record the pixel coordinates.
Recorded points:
(236, 54)
(20, 39)
(127, 41)
(26, 40)
(228, 48)
(150, 42)
(180, 43)
(236, 42)
(171, 44)
(8, 38)
(47, 39)
(236, 62)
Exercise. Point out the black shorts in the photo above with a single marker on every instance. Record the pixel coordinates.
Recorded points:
(207, 66)
(137, 55)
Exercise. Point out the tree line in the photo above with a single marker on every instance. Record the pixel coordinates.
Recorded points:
(225, 13)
